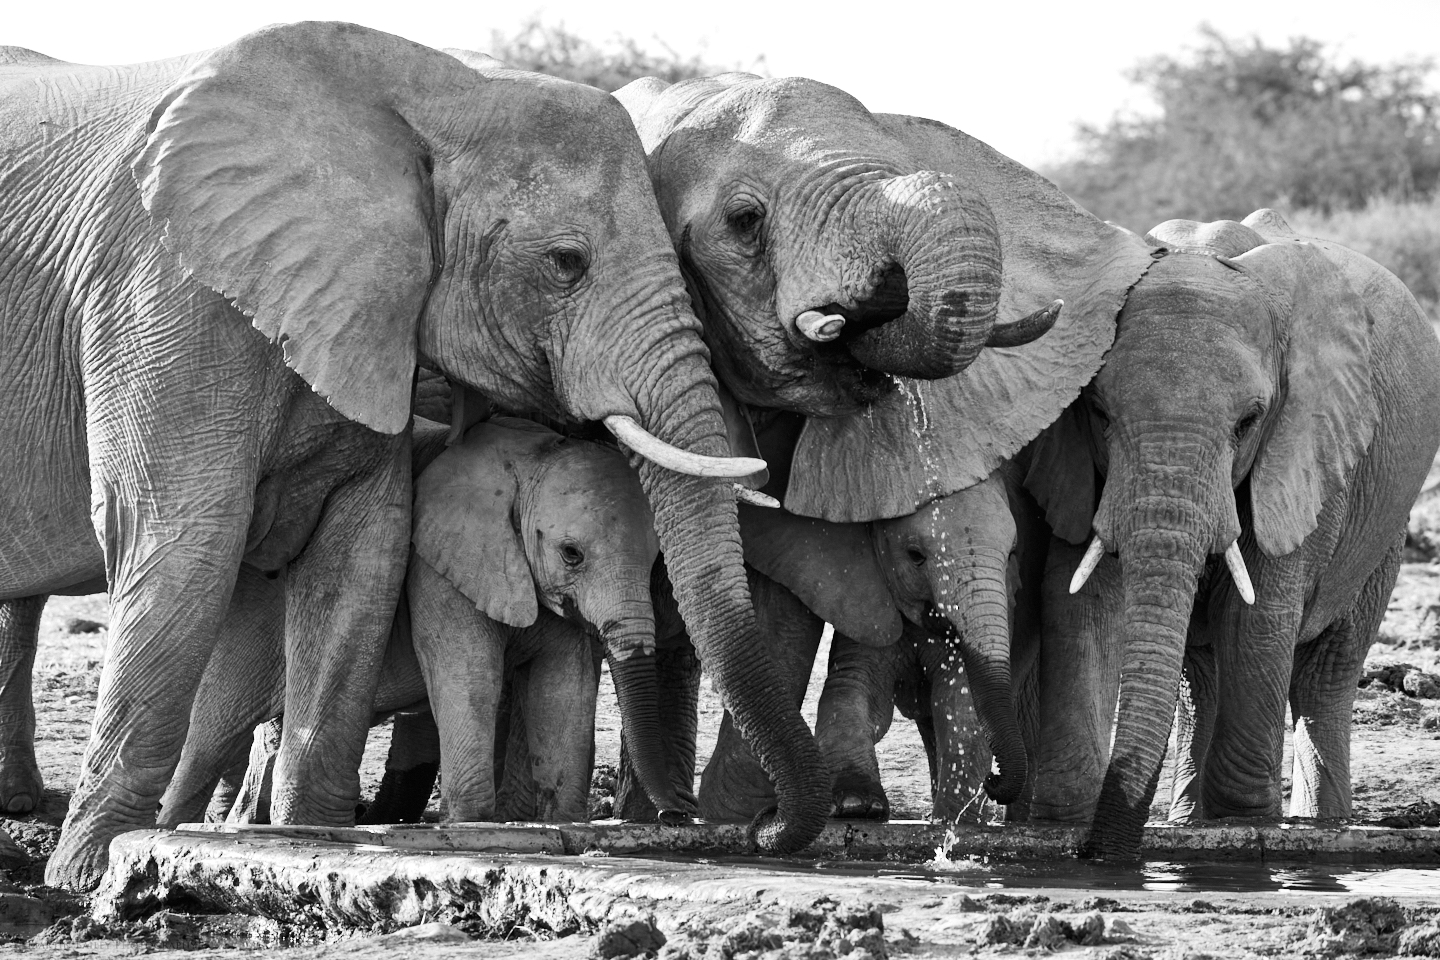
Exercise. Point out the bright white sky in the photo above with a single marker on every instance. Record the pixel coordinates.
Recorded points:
(1013, 73)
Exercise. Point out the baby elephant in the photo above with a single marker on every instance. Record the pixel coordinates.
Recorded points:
(526, 546)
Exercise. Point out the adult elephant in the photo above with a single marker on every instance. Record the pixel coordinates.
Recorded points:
(1270, 400)
(825, 245)
(219, 274)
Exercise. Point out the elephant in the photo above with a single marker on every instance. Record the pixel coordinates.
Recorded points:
(221, 271)
(526, 545)
(820, 243)
(1243, 466)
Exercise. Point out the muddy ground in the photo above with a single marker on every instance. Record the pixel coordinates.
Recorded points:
(1396, 770)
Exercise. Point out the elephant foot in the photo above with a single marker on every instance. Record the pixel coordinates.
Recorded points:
(21, 786)
(79, 860)
(856, 796)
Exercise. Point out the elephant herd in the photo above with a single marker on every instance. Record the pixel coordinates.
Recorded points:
(1053, 483)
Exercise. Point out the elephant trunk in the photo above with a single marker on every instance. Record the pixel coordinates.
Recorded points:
(630, 650)
(944, 260)
(1161, 566)
(975, 601)
(699, 535)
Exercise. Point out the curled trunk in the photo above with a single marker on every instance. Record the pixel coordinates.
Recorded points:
(944, 246)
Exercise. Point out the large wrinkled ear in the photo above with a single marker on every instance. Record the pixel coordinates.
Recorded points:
(932, 438)
(1328, 413)
(464, 522)
(1061, 473)
(286, 177)
(831, 567)
(1218, 238)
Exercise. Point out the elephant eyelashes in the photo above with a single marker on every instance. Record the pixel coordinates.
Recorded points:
(569, 264)
(916, 557)
(1242, 429)
(571, 554)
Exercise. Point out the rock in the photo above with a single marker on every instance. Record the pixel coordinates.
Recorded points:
(628, 938)
(22, 916)
(1366, 925)
(1049, 932)
(1118, 931)
(1420, 941)
(80, 625)
(1007, 928)
(1126, 953)
(963, 903)
(1421, 685)
(12, 856)
(428, 933)
(1090, 929)
(1386, 673)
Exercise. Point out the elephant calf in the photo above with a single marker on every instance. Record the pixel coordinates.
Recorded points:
(527, 545)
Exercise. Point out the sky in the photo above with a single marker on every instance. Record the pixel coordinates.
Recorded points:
(1018, 75)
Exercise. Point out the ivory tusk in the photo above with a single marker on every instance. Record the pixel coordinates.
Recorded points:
(755, 498)
(657, 451)
(820, 327)
(1241, 576)
(1021, 331)
(1093, 553)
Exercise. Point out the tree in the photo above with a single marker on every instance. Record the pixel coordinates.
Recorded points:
(1242, 125)
(555, 50)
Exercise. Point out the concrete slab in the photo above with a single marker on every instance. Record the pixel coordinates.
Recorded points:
(909, 841)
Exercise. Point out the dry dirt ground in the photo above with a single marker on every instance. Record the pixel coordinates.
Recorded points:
(1396, 770)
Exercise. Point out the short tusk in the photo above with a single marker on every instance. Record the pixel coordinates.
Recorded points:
(1088, 563)
(657, 451)
(1033, 327)
(754, 497)
(820, 327)
(1241, 576)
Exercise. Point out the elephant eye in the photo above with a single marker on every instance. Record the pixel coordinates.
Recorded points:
(745, 220)
(916, 557)
(1246, 423)
(568, 263)
(571, 554)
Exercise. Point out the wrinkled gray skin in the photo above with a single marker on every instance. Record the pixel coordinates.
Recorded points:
(966, 570)
(586, 549)
(503, 230)
(1261, 387)
(941, 580)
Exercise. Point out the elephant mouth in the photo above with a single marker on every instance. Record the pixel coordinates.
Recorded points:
(834, 327)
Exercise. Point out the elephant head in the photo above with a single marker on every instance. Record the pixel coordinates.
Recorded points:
(517, 517)
(838, 259)
(946, 569)
(370, 203)
(1236, 402)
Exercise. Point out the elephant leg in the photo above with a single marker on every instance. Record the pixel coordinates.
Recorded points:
(252, 803)
(854, 713)
(227, 791)
(514, 787)
(172, 565)
(411, 767)
(1078, 682)
(1322, 697)
(20, 780)
(1194, 726)
(341, 595)
(678, 672)
(560, 725)
(734, 785)
(243, 685)
(1025, 679)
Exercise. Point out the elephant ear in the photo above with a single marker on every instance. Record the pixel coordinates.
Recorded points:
(831, 567)
(932, 438)
(1060, 474)
(1218, 238)
(1328, 413)
(286, 177)
(464, 517)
